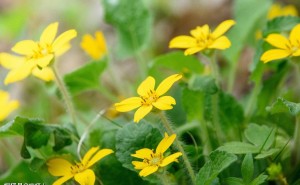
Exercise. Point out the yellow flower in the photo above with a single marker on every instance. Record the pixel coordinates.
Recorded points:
(36, 56)
(284, 46)
(152, 161)
(80, 171)
(6, 106)
(277, 10)
(149, 97)
(202, 38)
(96, 48)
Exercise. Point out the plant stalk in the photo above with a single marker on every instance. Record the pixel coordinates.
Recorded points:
(296, 143)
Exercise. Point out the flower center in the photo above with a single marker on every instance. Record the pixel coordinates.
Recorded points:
(205, 40)
(150, 98)
(155, 160)
(77, 168)
(42, 50)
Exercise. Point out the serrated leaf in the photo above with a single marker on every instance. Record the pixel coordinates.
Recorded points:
(239, 148)
(132, 21)
(283, 106)
(260, 135)
(259, 180)
(233, 181)
(280, 24)
(247, 168)
(217, 162)
(86, 77)
(204, 84)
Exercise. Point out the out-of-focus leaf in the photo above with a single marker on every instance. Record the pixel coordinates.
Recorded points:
(260, 135)
(268, 153)
(280, 24)
(132, 22)
(204, 84)
(247, 168)
(239, 148)
(259, 180)
(86, 77)
(283, 106)
(193, 102)
(217, 162)
(233, 181)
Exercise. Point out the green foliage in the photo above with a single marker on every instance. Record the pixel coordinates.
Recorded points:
(193, 103)
(133, 23)
(279, 24)
(247, 168)
(86, 77)
(283, 106)
(204, 84)
(217, 162)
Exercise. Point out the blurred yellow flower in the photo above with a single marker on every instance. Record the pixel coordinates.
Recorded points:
(6, 106)
(277, 10)
(202, 38)
(80, 171)
(152, 161)
(36, 56)
(149, 97)
(96, 48)
(284, 46)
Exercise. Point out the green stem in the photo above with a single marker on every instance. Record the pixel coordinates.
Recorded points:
(62, 87)
(207, 148)
(186, 161)
(252, 100)
(232, 76)
(215, 69)
(163, 178)
(107, 94)
(296, 144)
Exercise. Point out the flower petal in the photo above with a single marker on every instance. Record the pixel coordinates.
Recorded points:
(193, 50)
(167, 83)
(128, 104)
(87, 177)
(49, 33)
(11, 61)
(89, 45)
(165, 143)
(222, 28)
(45, 73)
(59, 167)
(274, 54)
(44, 61)
(63, 39)
(63, 49)
(146, 86)
(295, 35)
(221, 43)
(148, 170)
(183, 41)
(7, 108)
(170, 159)
(88, 155)
(196, 32)
(277, 41)
(296, 53)
(62, 180)
(144, 153)
(164, 103)
(138, 165)
(25, 47)
(141, 112)
(19, 73)
(98, 156)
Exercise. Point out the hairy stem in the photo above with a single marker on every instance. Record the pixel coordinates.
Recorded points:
(296, 143)
(186, 161)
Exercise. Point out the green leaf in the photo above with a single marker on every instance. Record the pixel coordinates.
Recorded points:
(260, 135)
(204, 84)
(86, 77)
(239, 148)
(133, 24)
(36, 135)
(283, 106)
(280, 24)
(267, 153)
(234, 181)
(36, 164)
(259, 180)
(217, 162)
(193, 103)
(176, 61)
(247, 168)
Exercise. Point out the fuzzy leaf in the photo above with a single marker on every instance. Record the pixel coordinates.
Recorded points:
(283, 106)
(239, 148)
(204, 84)
(260, 135)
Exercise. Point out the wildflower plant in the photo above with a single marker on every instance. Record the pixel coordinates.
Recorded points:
(216, 106)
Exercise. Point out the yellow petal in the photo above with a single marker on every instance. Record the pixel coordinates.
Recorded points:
(222, 28)
(4, 96)
(49, 33)
(62, 180)
(138, 165)
(196, 32)
(63, 49)
(296, 53)
(7, 108)
(59, 167)
(11, 61)
(146, 86)
(148, 170)
(164, 103)
(88, 155)
(295, 35)
(45, 73)
(101, 43)
(87, 177)
(170, 159)
(44, 61)
(128, 104)
(290, 10)
(221, 43)
(63, 39)
(19, 73)
(274, 54)
(167, 83)
(141, 113)
(183, 42)
(25, 47)
(193, 50)
(144, 153)
(89, 45)
(205, 31)
(165, 143)
(98, 156)
(277, 41)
